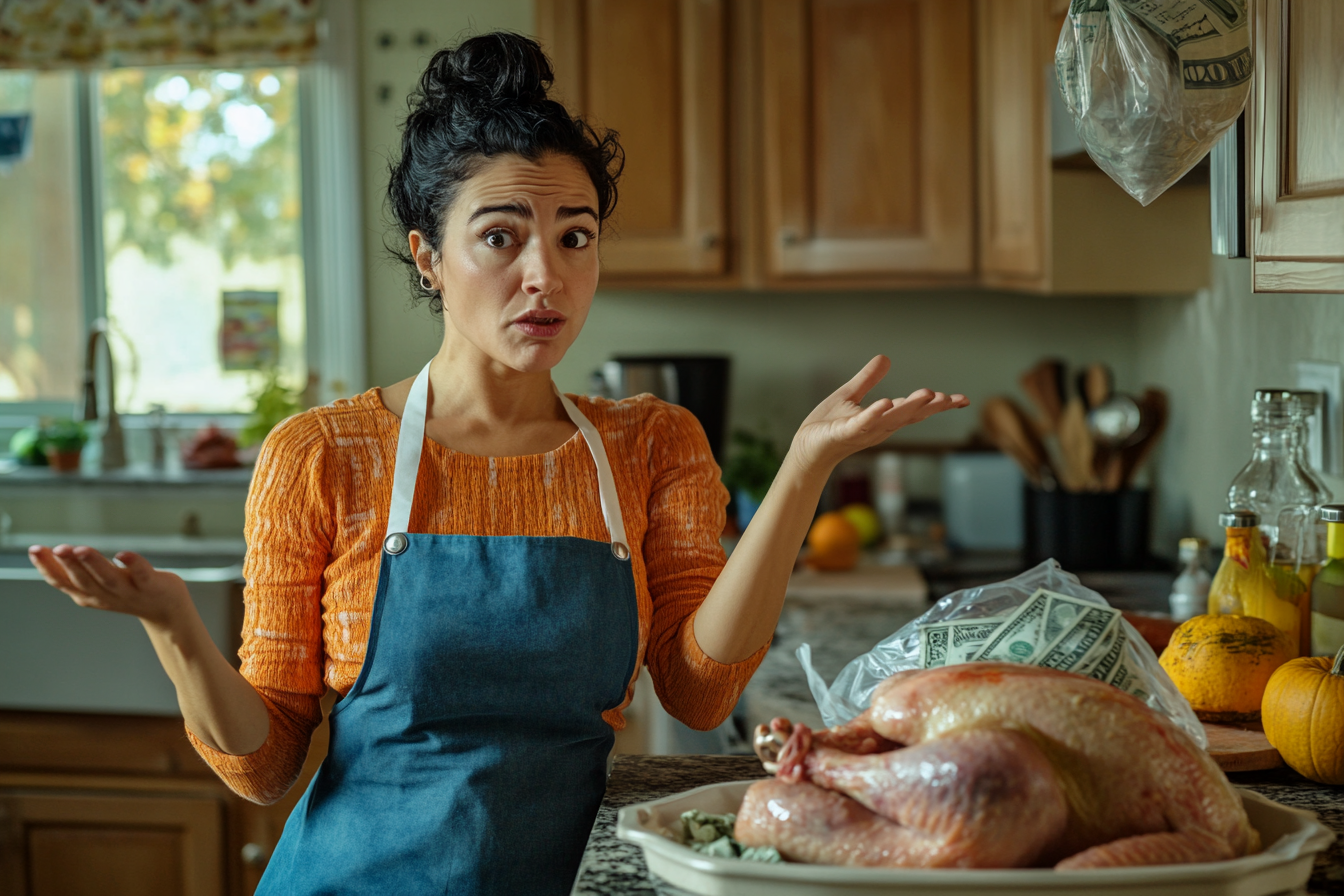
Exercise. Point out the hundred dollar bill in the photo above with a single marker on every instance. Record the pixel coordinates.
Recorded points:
(1041, 620)
(948, 643)
(1071, 648)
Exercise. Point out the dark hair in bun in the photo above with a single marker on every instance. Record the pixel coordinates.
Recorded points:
(483, 98)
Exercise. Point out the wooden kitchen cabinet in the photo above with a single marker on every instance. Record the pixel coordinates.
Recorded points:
(653, 70)
(866, 139)
(1050, 228)
(1296, 120)
(106, 805)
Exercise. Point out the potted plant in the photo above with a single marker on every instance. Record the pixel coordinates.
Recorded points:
(752, 465)
(63, 441)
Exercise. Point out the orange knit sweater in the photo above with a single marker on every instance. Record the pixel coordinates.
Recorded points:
(317, 512)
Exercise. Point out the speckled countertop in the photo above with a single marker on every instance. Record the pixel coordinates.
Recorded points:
(612, 867)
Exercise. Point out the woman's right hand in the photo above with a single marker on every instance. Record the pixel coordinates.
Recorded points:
(131, 585)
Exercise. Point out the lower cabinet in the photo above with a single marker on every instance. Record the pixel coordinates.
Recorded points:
(59, 843)
(106, 805)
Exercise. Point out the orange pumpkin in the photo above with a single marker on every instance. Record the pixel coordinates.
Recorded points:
(1221, 664)
(1303, 714)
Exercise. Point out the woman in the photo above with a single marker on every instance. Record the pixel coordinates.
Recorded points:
(477, 563)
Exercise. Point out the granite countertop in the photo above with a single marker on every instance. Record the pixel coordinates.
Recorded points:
(613, 867)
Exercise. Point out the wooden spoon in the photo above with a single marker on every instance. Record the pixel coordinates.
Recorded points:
(1078, 448)
(1044, 386)
(1011, 431)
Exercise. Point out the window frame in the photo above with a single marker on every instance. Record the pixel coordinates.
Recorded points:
(331, 227)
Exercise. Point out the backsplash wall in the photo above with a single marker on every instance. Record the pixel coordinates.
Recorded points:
(1212, 351)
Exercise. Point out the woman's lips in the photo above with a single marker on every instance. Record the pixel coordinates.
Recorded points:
(541, 326)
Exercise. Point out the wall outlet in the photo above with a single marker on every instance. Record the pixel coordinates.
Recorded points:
(1325, 430)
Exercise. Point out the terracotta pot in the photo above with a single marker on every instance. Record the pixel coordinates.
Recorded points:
(63, 461)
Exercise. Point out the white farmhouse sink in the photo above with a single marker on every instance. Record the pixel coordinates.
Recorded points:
(55, 655)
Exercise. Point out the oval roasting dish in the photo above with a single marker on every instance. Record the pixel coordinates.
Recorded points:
(1292, 837)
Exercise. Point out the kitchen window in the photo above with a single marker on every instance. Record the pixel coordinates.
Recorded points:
(200, 211)
(196, 239)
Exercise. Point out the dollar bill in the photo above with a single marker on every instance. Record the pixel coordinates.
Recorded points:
(947, 643)
(1072, 647)
(1108, 660)
(1021, 635)
(1044, 618)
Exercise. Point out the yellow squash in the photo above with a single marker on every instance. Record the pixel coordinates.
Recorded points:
(1221, 664)
(1303, 713)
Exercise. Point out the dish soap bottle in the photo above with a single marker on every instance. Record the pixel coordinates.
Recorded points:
(1327, 589)
(1190, 592)
(1246, 584)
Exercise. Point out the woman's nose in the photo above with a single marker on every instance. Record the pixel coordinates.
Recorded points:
(540, 270)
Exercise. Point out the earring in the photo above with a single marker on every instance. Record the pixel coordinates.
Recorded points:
(425, 284)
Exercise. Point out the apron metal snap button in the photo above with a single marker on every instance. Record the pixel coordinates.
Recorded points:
(395, 544)
(621, 551)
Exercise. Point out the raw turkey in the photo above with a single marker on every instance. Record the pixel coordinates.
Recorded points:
(993, 765)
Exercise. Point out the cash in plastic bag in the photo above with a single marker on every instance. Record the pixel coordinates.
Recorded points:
(1043, 617)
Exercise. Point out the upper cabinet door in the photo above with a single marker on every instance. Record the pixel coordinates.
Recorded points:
(867, 138)
(1297, 215)
(654, 72)
(1013, 148)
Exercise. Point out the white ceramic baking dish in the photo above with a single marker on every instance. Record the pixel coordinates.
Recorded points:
(1292, 837)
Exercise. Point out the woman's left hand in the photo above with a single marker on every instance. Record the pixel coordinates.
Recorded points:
(840, 425)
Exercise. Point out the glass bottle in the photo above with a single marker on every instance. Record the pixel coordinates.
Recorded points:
(1190, 592)
(1247, 584)
(1327, 590)
(1275, 485)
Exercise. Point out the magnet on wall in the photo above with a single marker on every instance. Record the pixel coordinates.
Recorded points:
(385, 40)
(384, 93)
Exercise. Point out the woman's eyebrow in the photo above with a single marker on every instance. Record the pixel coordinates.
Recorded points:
(512, 208)
(567, 211)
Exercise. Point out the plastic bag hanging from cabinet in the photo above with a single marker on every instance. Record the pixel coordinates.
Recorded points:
(1153, 84)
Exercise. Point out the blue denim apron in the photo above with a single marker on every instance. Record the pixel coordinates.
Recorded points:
(469, 757)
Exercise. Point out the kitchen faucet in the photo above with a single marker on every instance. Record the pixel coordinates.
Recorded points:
(113, 456)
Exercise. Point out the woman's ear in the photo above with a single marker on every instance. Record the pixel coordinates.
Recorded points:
(422, 252)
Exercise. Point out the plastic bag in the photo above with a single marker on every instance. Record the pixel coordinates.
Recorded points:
(852, 690)
(1153, 84)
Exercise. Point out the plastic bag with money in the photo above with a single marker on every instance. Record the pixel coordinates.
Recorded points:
(1044, 617)
(1153, 84)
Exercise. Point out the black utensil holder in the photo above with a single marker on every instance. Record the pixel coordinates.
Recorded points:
(1087, 531)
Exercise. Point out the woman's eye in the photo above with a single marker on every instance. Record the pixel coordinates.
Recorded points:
(576, 239)
(498, 239)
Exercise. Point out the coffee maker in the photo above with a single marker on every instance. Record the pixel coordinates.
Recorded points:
(698, 383)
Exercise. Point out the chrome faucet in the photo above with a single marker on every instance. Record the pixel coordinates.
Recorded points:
(112, 440)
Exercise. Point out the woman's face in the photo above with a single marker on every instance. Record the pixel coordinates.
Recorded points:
(518, 265)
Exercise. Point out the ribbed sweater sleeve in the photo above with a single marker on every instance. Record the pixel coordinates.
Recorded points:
(288, 528)
(683, 558)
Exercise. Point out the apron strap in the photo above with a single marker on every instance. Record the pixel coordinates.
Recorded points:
(606, 483)
(410, 442)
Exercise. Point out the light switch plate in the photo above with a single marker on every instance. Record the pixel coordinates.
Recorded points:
(1325, 430)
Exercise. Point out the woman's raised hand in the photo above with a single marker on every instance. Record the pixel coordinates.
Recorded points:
(841, 425)
(131, 585)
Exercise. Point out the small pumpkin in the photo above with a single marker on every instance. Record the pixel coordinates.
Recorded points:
(1221, 664)
(1303, 713)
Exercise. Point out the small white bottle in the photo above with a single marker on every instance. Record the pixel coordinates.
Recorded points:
(889, 492)
(1190, 592)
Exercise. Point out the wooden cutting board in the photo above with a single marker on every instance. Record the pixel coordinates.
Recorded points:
(1240, 749)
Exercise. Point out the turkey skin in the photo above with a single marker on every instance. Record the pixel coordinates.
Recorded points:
(994, 765)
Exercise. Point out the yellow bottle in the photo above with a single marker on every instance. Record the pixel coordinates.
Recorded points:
(1247, 585)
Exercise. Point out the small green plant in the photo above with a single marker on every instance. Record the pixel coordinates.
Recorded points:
(752, 464)
(64, 435)
(273, 402)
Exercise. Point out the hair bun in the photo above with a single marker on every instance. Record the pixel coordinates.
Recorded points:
(491, 68)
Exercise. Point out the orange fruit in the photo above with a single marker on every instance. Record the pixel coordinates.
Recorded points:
(834, 542)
